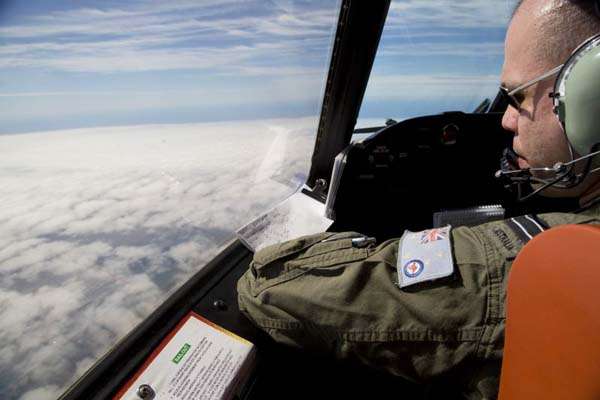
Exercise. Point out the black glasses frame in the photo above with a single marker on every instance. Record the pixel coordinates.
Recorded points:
(509, 95)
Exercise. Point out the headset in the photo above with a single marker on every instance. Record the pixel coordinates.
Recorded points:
(576, 99)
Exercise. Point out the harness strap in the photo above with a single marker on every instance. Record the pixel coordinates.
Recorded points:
(527, 226)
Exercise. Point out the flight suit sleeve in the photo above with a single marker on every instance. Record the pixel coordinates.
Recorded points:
(347, 302)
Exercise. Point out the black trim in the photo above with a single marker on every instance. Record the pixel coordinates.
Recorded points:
(357, 37)
(542, 223)
(526, 227)
(318, 196)
(521, 234)
(369, 130)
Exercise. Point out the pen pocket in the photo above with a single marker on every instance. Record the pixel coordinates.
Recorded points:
(279, 263)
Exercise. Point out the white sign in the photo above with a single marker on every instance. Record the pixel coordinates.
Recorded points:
(198, 360)
(298, 215)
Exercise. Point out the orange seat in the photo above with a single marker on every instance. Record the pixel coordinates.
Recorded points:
(552, 345)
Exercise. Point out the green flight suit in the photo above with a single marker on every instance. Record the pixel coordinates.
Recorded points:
(320, 292)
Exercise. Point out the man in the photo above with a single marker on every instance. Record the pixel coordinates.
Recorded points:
(323, 293)
(540, 37)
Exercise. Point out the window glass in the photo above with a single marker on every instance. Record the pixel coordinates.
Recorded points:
(436, 56)
(135, 138)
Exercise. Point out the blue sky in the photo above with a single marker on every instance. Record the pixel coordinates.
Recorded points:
(437, 56)
(67, 64)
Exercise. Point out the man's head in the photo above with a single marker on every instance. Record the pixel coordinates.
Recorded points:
(542, 35)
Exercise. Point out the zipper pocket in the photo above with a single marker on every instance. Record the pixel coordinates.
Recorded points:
(337, 242)
(286, 249)
(358, 240)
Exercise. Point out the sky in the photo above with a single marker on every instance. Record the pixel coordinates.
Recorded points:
(66, 64)
(436, 56)
(137, 136)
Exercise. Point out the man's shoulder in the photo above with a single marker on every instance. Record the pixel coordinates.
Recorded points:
(485, 243)
(503, 239)
(588, 216)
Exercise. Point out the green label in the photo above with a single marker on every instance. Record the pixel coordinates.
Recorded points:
(179, 356)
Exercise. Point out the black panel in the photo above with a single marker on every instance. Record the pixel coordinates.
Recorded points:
(399, 177)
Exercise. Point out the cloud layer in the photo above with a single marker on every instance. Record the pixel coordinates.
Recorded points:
(100, 225)
(229, 36)
(451, 14)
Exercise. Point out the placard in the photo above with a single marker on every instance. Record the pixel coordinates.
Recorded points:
(198, 360)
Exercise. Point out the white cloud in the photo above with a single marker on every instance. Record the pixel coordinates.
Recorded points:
(93, 21)
(420, 87)
(275, 89)
(153, 37)
(474, 50)
(46, 392)
(451, 13)
(100, 225)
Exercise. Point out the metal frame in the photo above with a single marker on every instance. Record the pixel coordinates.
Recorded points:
(359, 29)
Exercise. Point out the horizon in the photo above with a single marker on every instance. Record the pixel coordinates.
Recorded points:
(95, 63)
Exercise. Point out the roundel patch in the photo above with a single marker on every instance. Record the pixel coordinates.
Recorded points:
(413, 268)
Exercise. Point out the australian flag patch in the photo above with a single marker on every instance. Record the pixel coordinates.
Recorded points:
(424, 256)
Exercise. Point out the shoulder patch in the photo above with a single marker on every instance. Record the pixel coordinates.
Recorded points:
(424, 256)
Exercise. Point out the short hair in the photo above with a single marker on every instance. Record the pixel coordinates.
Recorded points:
(592, 6)
(570, 23)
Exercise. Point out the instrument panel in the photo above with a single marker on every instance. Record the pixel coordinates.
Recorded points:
(398, 177)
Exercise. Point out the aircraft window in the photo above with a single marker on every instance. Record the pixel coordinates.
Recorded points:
(436, 56)
(135, 138)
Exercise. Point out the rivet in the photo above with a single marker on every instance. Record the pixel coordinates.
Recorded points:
(220, 305)
(146, 392)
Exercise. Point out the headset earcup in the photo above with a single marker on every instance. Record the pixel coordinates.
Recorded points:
(578, 107)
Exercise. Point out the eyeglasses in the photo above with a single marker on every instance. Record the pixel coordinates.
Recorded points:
(512, 97)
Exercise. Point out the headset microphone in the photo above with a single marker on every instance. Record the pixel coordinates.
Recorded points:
(512, 177)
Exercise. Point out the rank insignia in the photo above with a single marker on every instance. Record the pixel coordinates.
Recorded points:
(413, 268)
